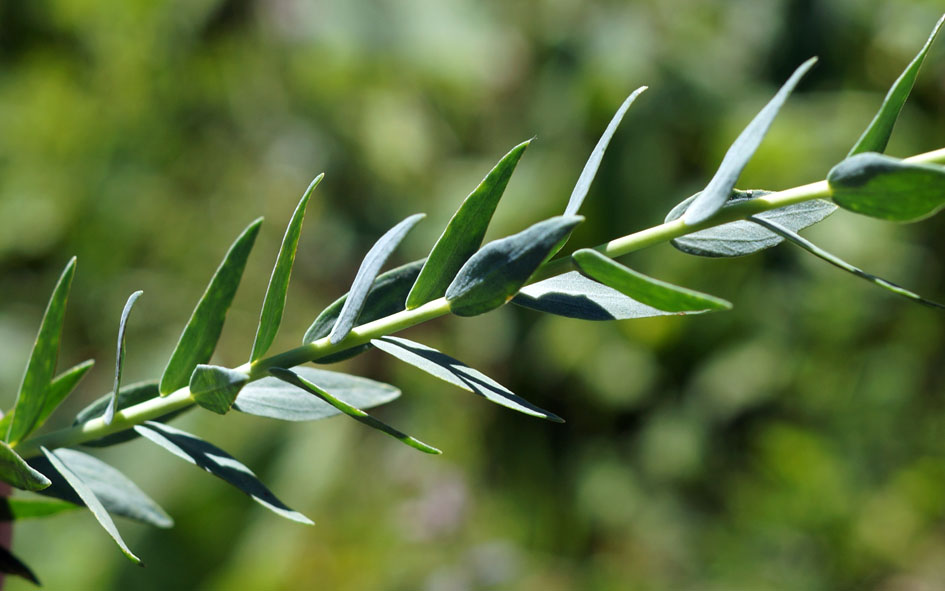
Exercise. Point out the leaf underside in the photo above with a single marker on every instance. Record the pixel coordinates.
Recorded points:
(15, 471)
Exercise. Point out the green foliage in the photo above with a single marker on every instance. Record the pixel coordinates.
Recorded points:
(888, 188)
(120, 356)
(15, 471)
(215, 388)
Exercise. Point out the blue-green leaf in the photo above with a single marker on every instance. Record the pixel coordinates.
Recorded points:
(495, 274)
(61, 386)
(41, 368)
(464, 232)
(16, 472)
(876, 136)
(367, 273)
(215, 388)
(11, 565)
(274, 303)
(717, 192)
(353, 412)
(202, 332)
(120, 355)
(888, 188)
(217, 462)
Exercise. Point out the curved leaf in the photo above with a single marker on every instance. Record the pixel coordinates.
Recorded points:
(888, 188)
(120, 356)
(215, 388)
(11, 565)
(574, 296)
(16, 472)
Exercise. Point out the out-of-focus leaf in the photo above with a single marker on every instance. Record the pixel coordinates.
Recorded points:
(219, 463)
(215, 388)
(495, 274)
(464, 232)
(274, 303)
(16, 472)
(41, 368)
(129, 396)
(840, 263)
(91, 501)
(202, 332)
(740, 238)
(459, 374)
(367, 273)
(120, 356)
(353, 412)
(386, 297)
(273, 398)
(717, 192)
(61, 386)
(888, 188)
(876, 136)
(15, 509)
(652, 292)
(11, 565)
(117, 494)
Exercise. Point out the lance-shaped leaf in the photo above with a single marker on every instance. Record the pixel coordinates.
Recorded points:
(652, 292)
(717, 192)
(876, 136)
(91, 501)
(129, 396)
(274, 303)
(367, 273)
(219, 463)
(11, 565)
(273, 398)
(888, 188)
(353, 412)
(215, 388)
(17, 509)
(464, 232)
(61, 386)
(741, 238)
(202, 332)
(117, 494)
(495, 274)
(120, 356)
(16, 472)
(841, 264)
(459, 374)
(41, 368)
(385, 298)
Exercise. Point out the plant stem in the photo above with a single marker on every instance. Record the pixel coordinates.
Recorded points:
(157, 407)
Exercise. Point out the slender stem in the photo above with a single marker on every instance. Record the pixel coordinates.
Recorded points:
(157, 407)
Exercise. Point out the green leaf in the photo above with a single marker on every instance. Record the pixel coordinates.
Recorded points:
(217, 462)
(215, 388)
(840, 263)
(120, 355)
(15, 471)
(31, 398)
(353, 412)
(274, 303)
(117, 494)
(273, 398)
(128, 396)
(457, 373)
(17, 509)
(367, 273)
(202, 332)
(464, 233)
(11, 565)
(717, 192)
(876, 136)
(91, 501)
(741, 238)
(652, 292)
(62, 386)
(888, 188)
(495, 274)
(386, 297)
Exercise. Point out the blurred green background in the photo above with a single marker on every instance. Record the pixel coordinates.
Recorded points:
(797, 442)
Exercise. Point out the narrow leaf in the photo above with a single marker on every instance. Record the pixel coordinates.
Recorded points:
(355, 413)
(645, 289)
(367, 273)
(62, 386)
(876, 136)
(495, 274)
(17, 509)
(215, 388)
(41, 368)
(128, 396)
(90, 500)
(202, 332)
(16, 472)
(457, 373)
(840, 263)
(716, 193)
(888, 188)
(115, 491)
(11, 565)
(464, 233)
(274, 303)
(219, 463)
(120, 355)
(273, 398)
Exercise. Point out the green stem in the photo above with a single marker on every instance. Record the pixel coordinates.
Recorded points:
(157, 407)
